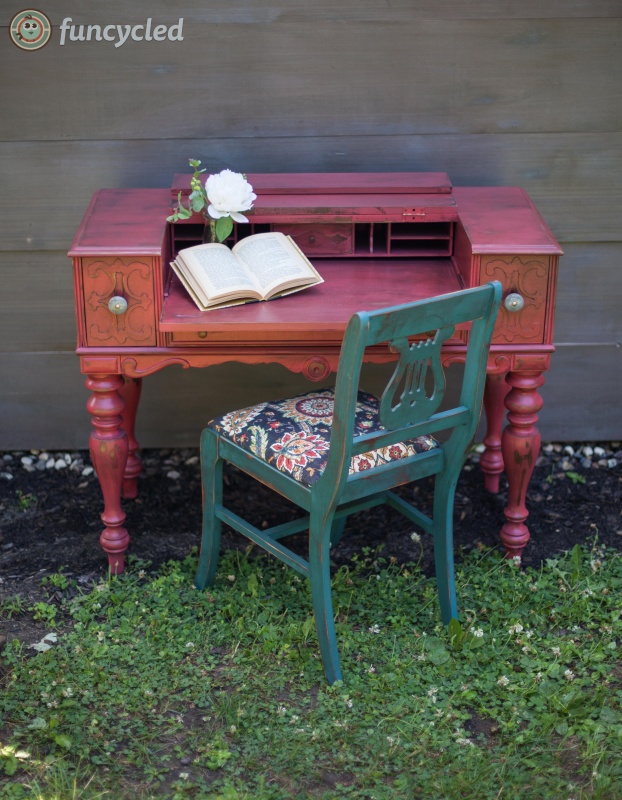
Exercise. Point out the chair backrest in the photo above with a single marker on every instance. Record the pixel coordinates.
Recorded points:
(410, 402)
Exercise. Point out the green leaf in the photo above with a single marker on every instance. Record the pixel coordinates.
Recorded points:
(437, 652)
(456, 634)
(10, 764)
(224, 226)
(253, 584)
(197, 201)
(63, 741)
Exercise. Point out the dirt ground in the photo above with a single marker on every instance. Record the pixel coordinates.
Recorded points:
(49, 515)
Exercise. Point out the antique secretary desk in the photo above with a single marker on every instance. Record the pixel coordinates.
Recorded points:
(377, 239)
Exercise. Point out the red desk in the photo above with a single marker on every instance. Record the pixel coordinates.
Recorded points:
(377, 240)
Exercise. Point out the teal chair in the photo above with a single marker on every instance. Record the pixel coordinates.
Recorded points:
(336, 452)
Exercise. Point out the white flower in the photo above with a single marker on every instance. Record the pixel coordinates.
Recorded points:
(465, 742)
(184, 775)
(415, 537)
(503, 680)
(569, 675)
(556, 651)
(374, 629)
(516, 560)
(516, 628)
(229, 193)
(477, 632)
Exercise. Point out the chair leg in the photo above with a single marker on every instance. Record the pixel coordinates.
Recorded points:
(444, 492)
(211, 478)
(319, 574)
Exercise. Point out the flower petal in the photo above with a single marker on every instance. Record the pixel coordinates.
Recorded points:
(215, 213)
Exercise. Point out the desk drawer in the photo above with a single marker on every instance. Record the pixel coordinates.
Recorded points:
(324, 240)
(528, 278)
(131, 279)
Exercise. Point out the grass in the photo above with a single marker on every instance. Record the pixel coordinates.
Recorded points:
(154, 689)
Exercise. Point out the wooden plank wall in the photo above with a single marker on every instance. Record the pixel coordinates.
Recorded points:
(494, 93)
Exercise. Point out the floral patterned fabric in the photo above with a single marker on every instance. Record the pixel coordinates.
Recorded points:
(293, 435)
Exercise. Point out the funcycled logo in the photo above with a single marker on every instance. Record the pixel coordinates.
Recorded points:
(30, 29)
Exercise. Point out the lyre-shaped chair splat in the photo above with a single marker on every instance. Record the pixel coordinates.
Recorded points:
(417, 386)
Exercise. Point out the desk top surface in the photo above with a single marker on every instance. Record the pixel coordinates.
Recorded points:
(348, 287)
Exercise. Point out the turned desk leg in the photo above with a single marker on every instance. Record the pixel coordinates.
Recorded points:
(520, 447)
(131, 395)
(491, 460)
(109, 451)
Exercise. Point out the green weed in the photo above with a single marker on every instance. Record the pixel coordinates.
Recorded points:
(159, 690)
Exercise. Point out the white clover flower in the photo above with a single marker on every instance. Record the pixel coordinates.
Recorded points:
(371, 669)
(184, 775)
(465, 742)
(556, 651)
(477, 632)
(432, 691)
(100, 636)
(68, 692)
(229, 193)
(415, 537)
(231, 578)
(374, 629)
(569, 675)
(529, 634)
(503, 680)
(232, 729)
(516, 560)
(141, 573)
(190, 644)
(281, 711)
(516, 628)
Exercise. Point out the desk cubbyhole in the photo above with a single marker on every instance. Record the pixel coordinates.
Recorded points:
(421, 238)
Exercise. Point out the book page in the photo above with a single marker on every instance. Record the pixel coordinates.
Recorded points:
(272, 260)
(218, 270)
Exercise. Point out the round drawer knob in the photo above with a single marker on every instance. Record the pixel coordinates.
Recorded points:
(117, 305)
(202, 334)
(514, 302)
(312, 239)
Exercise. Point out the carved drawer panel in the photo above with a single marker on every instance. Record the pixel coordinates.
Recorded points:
(130, 279)
(317, 240)
(526, 278)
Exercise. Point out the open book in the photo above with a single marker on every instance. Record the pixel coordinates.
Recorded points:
(259, 267)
